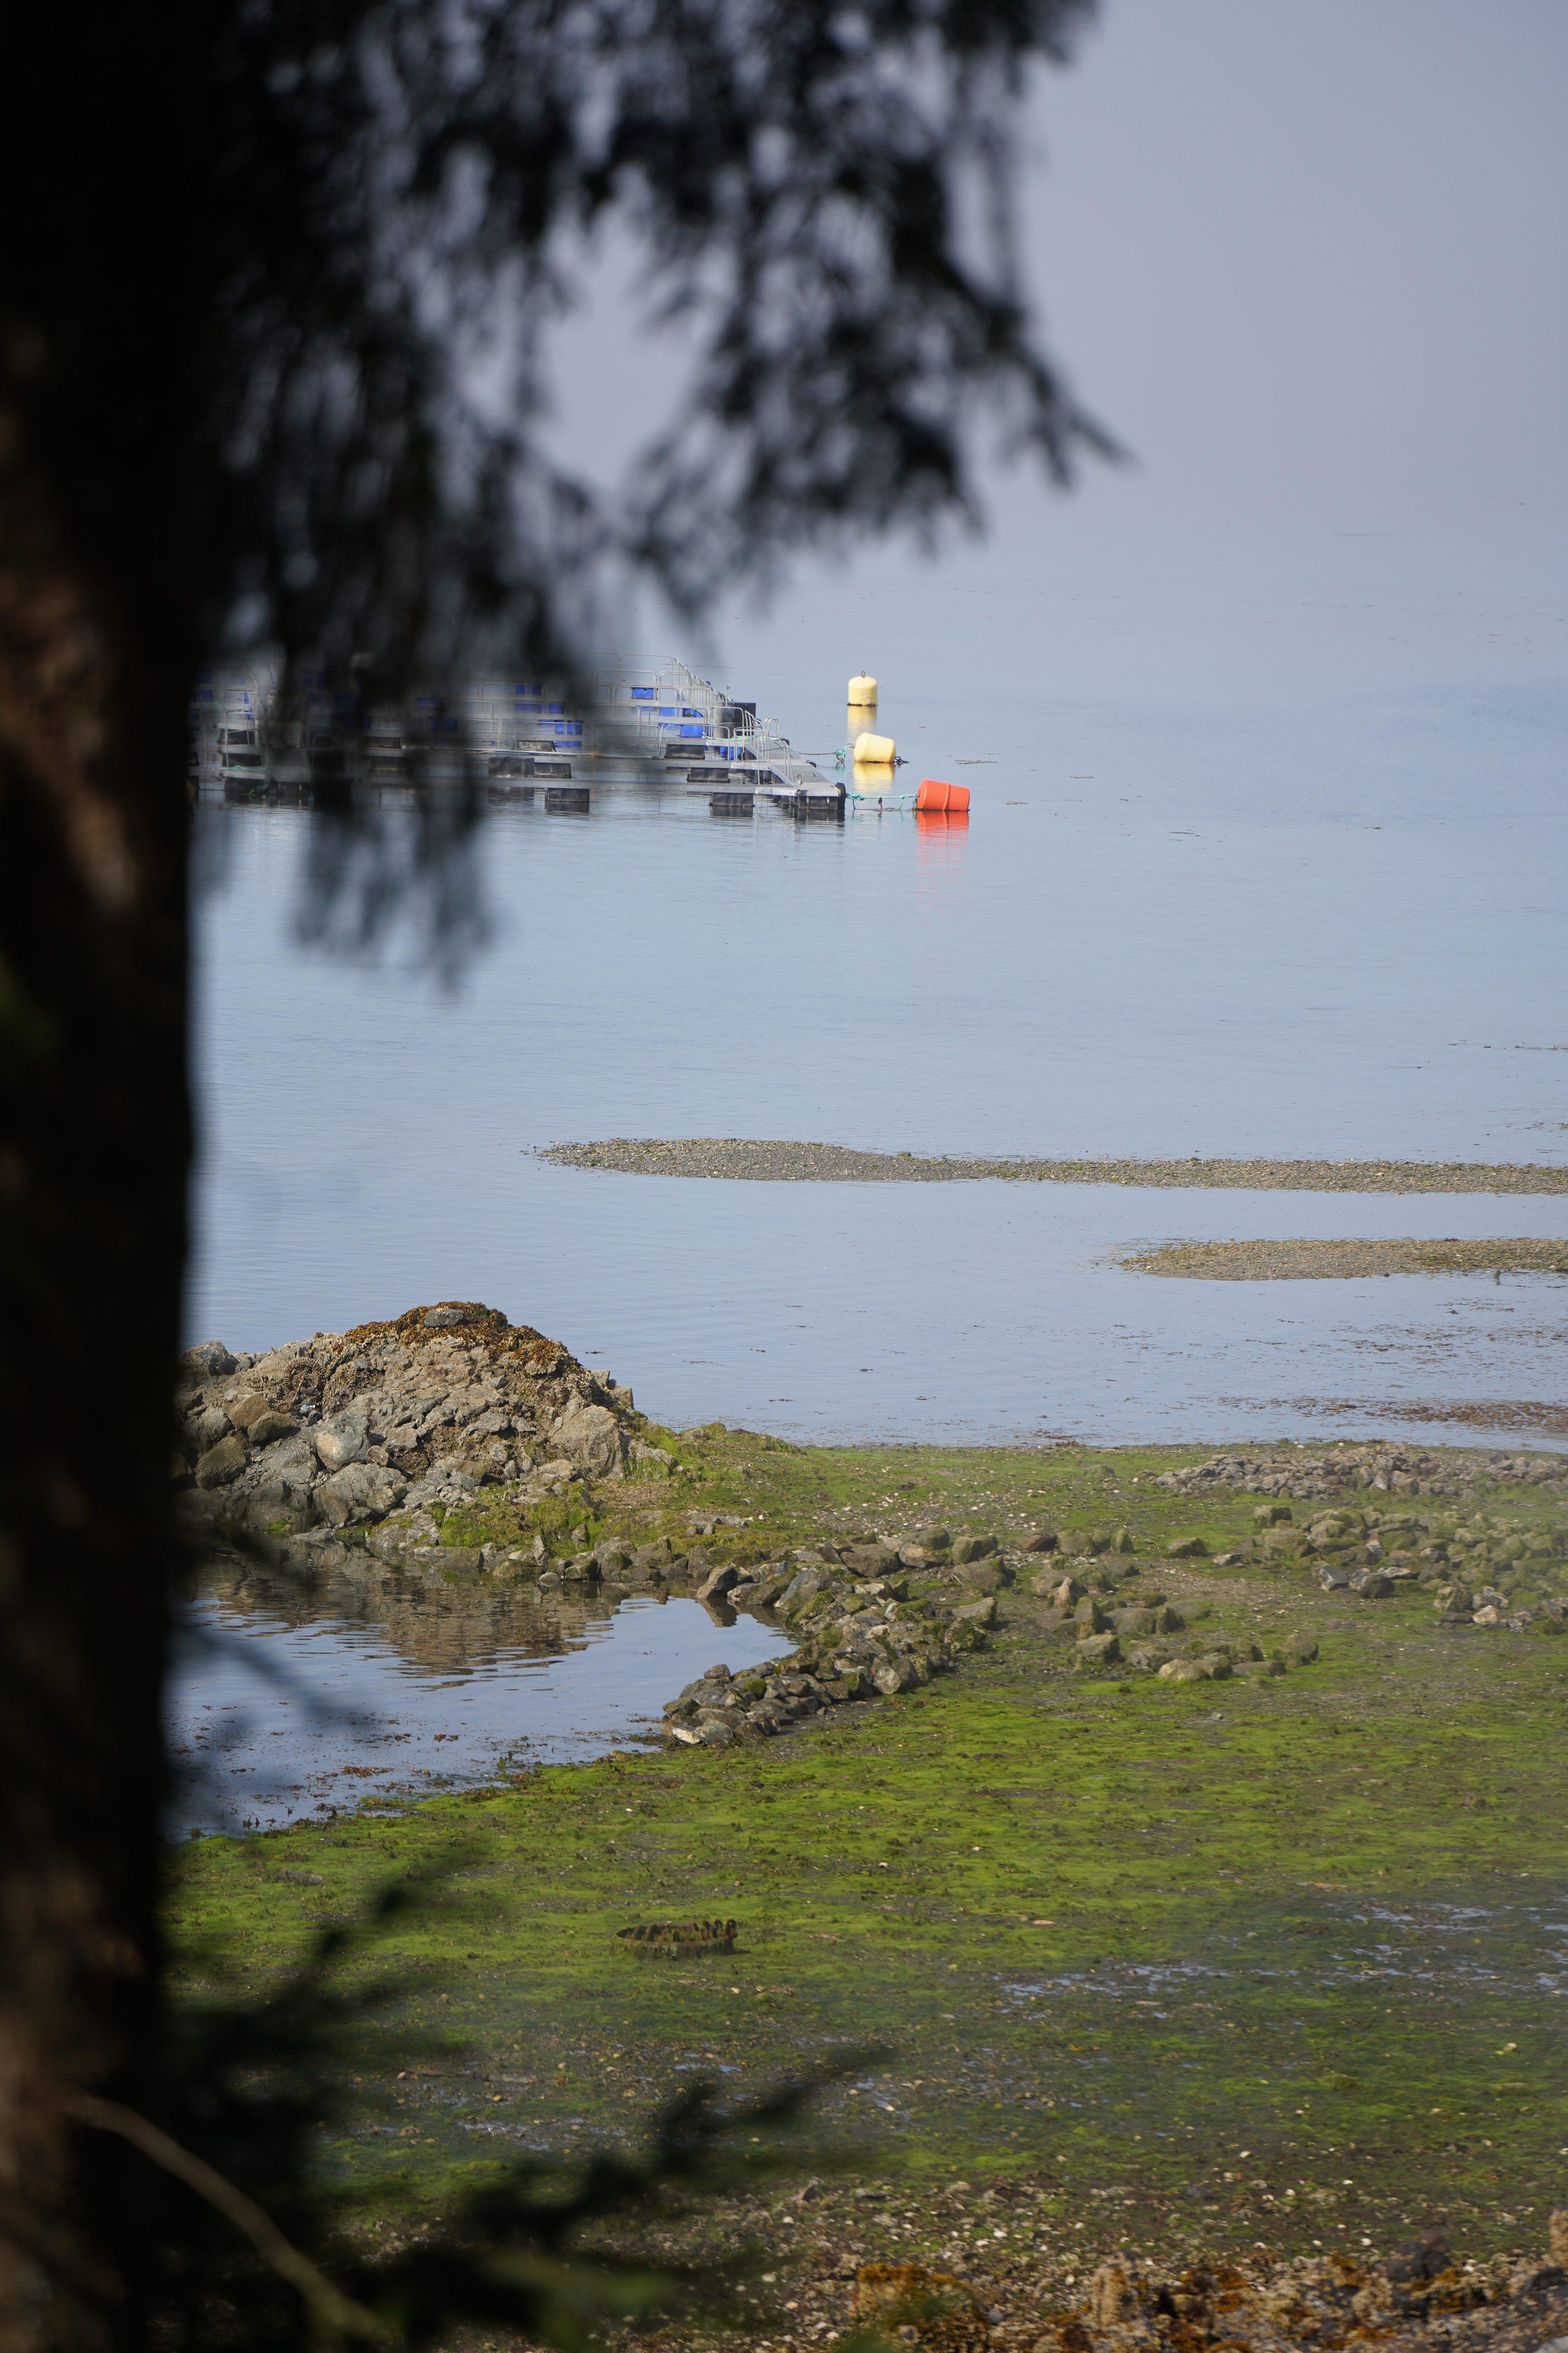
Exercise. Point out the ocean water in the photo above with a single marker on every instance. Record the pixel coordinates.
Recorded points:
(1275, 874)
(1262, 860)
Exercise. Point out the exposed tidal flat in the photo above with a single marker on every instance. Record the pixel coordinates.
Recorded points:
(761, 1160)
(1268, 1953)
(1349, 1259)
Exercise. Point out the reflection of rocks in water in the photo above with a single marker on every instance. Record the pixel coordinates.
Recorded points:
(448, 1624)
(241, 1587)
(462, 1624)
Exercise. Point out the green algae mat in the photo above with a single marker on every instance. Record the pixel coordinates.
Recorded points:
(1289, 1955)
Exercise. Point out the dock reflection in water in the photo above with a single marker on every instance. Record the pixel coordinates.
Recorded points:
(287, 1703)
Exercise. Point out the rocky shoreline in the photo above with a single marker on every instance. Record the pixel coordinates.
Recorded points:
(784, 1160)
(361, 1456)
(447, 1454)
(354, 1456)
(1419, 2294)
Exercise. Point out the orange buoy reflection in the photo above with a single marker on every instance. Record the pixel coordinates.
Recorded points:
(939, 829)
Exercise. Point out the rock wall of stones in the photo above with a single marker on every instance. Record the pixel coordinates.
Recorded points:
(1379, 1469)
(873, 1619)
(1480, 1568)
(1120, 1619)
(347, 1428)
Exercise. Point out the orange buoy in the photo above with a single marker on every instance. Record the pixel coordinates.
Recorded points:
(941, 799)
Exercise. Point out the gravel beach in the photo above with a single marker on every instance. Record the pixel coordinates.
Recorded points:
(780, 1161)
(1317, 1262)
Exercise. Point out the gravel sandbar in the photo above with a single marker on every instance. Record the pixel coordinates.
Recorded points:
(1514, 1414)
(1318, 1261)
(760, 1161)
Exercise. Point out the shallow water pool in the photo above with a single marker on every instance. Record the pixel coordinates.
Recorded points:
(287, 1706)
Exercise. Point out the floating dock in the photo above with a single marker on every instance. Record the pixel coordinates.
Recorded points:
(631, 727)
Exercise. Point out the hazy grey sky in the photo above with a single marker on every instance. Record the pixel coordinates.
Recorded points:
(1313, 260)
(1307, 261)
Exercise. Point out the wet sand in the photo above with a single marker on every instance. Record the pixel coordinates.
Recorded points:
(781, 1161)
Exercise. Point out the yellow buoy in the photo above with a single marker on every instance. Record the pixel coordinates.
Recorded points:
(862, 692)
(874, 751)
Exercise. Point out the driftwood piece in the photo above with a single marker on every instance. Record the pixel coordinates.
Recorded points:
(680, 1937)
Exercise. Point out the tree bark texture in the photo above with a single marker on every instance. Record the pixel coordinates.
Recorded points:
(95, 670)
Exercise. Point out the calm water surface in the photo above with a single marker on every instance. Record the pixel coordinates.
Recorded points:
(1282, 877)
(1261, 863)
(286, 1707)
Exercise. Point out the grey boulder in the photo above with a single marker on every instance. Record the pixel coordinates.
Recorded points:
(362, 1492)
(1066, 1592)
(342, 1440)
(221, 1462)
(269, 1427)
(590, 1436)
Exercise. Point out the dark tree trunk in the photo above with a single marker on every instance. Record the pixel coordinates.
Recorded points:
(95, 631)
(92, 1170)
(150, 205)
